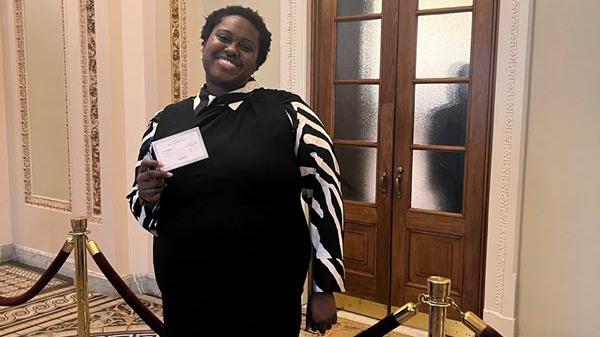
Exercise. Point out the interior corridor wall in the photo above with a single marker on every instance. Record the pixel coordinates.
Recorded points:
(102, 66)
(5, 221)
(559, 269)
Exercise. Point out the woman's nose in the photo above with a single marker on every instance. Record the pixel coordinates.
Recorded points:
(231, 49)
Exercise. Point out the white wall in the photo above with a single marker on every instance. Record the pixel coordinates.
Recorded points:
(5, 212)
(559, 269)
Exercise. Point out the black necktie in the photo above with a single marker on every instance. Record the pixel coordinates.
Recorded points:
(203, 102)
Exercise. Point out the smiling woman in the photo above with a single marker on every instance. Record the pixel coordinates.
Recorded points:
(236, 214)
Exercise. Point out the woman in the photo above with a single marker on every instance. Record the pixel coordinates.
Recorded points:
(236, 217)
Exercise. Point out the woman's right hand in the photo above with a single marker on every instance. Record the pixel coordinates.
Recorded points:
(151, 181)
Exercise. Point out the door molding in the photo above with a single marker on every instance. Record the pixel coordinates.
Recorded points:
(507, 164)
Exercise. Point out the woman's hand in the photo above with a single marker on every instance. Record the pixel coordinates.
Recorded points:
(151, 181)
(322, 313)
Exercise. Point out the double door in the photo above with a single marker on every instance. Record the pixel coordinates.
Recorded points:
(404, 87)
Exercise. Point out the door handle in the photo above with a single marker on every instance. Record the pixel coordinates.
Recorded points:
(397, 182)
(383, 183)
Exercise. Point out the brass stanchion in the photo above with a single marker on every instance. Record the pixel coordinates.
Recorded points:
(438, 300)
(439, 290)
(79, 233)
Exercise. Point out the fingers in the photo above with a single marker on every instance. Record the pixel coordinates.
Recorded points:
(151, 180)
(321, 327)
(148, 164)
(152, 191)
(149, 171)
(154, 174)
(322, 311)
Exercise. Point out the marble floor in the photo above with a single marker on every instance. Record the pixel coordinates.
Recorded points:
(53, 313)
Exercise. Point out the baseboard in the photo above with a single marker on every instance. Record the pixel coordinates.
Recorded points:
(97, 282)
(7, 253)
(504, 325)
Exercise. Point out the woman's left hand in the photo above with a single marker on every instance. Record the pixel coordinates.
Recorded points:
(322, 313)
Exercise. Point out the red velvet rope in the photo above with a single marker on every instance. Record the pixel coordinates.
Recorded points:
(145, 314)
(490, 332)
(380, 328)
(48, 274)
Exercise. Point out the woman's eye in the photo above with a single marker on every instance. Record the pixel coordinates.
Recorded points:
(246, 48)
(222, 38)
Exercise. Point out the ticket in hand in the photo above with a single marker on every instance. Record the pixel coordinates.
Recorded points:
(180, 149)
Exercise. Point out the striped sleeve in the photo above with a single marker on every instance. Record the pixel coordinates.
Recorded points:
(322, 193)
(146, 217)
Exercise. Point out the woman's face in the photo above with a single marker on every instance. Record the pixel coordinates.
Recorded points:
(229, 54)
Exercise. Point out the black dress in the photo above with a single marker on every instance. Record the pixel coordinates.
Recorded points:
(232, 245)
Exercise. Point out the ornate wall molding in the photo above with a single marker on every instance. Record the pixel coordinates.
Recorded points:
(290, 45)
(178, 50)
(45, 202)
(89, 78)
(294, 44)
(507, 149)
(507, 164)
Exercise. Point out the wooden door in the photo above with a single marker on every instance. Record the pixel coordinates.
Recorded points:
(404, 87)
(355, 70)
(443, 111)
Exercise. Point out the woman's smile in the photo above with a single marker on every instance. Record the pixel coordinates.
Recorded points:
(227, 63)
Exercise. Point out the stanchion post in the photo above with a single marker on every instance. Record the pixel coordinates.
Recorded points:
(79, 233)
(439, 290)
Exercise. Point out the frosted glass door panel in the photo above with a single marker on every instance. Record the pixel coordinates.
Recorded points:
(429, 4)
(358, 50)
(443, 45)
(358, 169)
(437, 181)
(440, 113)
(358, 7)
(356, 109)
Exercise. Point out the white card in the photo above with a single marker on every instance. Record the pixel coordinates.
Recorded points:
(180, 149)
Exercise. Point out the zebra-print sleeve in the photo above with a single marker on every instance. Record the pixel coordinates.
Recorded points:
(322, 192)
(147, 218)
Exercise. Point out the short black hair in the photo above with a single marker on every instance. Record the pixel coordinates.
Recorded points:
(264, 36)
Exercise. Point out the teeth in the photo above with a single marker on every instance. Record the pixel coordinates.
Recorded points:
(228, 62)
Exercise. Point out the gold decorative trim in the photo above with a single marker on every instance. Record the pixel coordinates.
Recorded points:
(87, 25)
(178, 50)
(62, 205)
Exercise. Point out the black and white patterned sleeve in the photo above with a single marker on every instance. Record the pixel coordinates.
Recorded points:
(147, 218)
(322, 192)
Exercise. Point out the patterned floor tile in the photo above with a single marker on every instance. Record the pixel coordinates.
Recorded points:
(16, 279)
(54, 312)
